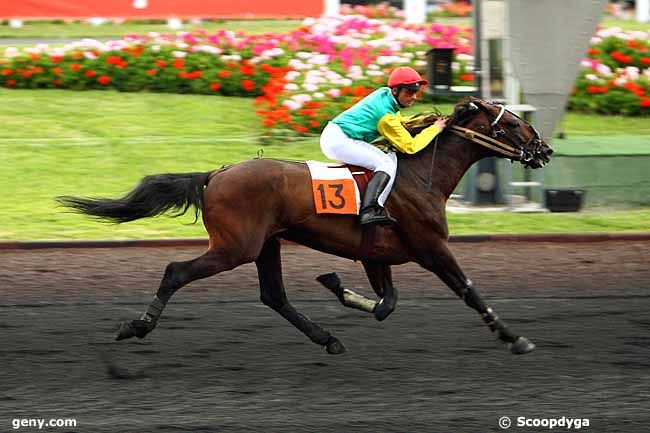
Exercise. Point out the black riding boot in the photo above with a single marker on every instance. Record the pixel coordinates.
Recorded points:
(371, 212)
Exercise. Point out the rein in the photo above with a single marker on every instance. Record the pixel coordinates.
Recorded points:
(489, 142)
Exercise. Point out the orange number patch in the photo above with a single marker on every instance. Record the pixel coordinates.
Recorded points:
(335, 196)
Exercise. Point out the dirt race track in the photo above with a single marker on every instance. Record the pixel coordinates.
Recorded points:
(220, 361)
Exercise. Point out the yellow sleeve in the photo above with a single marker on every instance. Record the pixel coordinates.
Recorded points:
(391, 127)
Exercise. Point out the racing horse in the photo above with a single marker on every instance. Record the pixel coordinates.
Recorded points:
(247, 208)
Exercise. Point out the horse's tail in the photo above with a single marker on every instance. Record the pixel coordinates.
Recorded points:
(153, 196)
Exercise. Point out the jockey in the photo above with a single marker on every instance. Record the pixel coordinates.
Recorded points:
(347, 138)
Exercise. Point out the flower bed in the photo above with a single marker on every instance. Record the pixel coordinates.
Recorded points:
(304, 78)
(379, 10)
(615, 76)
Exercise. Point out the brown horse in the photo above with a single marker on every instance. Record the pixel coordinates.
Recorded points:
(248, 207)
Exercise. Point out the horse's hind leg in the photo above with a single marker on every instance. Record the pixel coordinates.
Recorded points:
(272, 293)
(381, 281)
(177, 275)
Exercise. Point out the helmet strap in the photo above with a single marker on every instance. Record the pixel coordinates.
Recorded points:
(399, 89)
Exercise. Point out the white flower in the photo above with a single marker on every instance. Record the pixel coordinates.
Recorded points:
(592, 77)
(291, 104)
(604, 70)
(292, 75)
(179, 54)
(319, 95)
(302, 98)
(632, 72)
(333, 93)
(291, 86)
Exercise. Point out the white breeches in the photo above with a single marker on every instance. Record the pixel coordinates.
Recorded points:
(336, 145)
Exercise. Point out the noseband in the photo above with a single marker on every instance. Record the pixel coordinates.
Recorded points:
(520, 153)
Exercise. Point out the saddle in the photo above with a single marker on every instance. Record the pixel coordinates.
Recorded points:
(361, 176)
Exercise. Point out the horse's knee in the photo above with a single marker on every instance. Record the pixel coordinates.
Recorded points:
(271, 301)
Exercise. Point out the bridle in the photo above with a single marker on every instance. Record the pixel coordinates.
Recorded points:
(520, 153)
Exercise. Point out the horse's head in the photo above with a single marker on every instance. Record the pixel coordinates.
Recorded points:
(500, 130)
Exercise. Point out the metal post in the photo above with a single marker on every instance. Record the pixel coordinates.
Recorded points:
(643, 11)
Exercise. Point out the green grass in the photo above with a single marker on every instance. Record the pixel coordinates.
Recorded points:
(95, 143)
(40, 29)
(625, 24)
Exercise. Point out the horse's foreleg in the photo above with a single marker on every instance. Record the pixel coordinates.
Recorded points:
(444, 265)
(272, 294)
(177, 275)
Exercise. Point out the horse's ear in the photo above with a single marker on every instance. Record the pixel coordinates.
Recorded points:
(464, 111)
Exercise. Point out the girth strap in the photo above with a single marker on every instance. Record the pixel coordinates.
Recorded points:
(489, 142)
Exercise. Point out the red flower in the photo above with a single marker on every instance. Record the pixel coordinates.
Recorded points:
(76, 67)
(27, 74)
(307, 112)
(57, 71)
(314, 123)
(645, 60)
(247, 70)
(467, 77)
(231, 64)
(225, 74)
(645, 102)
(268, 122)
(248, 84)
(114, 60)
(196, 74)
(37, 69)
(11, 83)
(56, 82)
(300, 128)
(620, 57)
(56, 59)
(631, 86)
(104, 80)
(90, 73)
(215, 86)
(179, 63)
(152, 72)
(161, 63)
(593, 52)
(6, 72)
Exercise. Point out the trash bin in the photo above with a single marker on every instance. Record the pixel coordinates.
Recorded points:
(564, 199)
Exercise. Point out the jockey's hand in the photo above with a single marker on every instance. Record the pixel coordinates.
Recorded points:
(440, 123)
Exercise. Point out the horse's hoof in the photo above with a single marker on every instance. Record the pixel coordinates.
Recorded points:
(134, 328)
(335, 347)
(383, 310)
(522, 345)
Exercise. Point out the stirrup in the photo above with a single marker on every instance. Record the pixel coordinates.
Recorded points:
(375, 215)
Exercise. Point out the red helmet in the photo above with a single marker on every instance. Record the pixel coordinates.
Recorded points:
(405, 76)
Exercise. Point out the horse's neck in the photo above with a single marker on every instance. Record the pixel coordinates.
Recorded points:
(451, 159)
